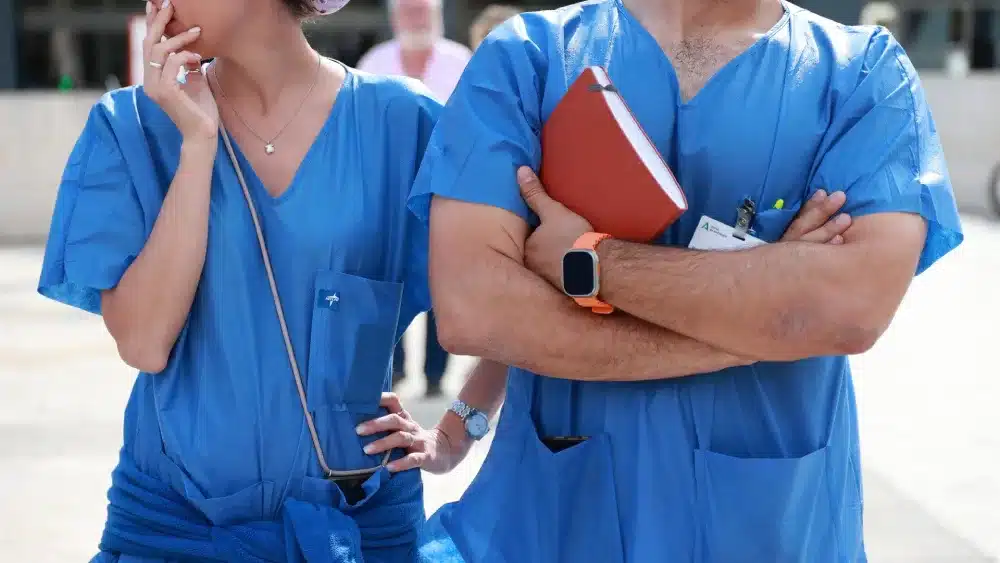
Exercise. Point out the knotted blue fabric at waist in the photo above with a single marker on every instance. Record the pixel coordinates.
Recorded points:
(148, 518)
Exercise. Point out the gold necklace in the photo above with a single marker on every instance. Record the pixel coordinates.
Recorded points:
(268, 143)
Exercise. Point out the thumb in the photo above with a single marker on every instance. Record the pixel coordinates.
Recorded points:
(533, 192)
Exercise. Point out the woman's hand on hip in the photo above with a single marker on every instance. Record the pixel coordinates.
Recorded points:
(190, 104)
(428, 449)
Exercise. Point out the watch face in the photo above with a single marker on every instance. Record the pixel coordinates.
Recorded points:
(579, 273)
(477, 425)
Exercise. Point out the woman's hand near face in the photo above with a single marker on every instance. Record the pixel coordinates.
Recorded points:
(191, 106)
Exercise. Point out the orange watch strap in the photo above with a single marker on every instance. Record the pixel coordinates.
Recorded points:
(589, 241)
(595, 305)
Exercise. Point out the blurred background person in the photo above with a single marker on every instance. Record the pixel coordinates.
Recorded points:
(491, 16)
(884, 14)
(419, 50)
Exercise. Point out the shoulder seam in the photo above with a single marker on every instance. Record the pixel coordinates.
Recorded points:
(87, 154)
(914, 151)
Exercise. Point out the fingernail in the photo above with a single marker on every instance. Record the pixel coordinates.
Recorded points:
(369, 449)
(195, 30)
(149, 7)
(165, 5)
(837, 240)
(524, 174)
(820, 194)
(361, 429)
(843, 219)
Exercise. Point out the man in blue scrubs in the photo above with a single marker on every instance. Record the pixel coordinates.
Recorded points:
(717, 402)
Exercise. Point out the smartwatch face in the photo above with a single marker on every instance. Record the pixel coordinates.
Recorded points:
(579, 273)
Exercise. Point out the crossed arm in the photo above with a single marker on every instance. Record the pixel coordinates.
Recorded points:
(784, 301)
(813, 298)
(689, 312)
(488, 304)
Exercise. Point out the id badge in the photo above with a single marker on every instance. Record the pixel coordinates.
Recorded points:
(715, 235)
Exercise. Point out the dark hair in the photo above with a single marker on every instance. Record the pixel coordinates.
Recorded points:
(299, 8)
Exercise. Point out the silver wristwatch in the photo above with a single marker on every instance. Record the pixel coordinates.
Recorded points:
(476, 423)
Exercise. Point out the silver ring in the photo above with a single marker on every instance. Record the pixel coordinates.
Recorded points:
(155, 64)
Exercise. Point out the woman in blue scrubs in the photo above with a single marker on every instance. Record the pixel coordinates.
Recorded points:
(152, 229)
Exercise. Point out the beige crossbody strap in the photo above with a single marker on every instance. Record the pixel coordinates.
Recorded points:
(330, 474)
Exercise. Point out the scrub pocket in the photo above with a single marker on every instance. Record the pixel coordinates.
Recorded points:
(776, 510)
(532, 505)
(254, 502)
(351, 342)
(770, 225)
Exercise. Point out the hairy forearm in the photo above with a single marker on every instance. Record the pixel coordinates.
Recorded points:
(146, 311)
(498, 309)
(782, 301)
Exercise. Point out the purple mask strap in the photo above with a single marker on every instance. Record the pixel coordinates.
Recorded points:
(325, 7)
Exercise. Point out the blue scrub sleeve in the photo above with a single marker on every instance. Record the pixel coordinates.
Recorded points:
(884, 150)
(415, 126)
(489, 128)
(97, 226)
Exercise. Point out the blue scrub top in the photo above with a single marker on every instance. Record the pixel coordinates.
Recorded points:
(222, 425)
(749, 464)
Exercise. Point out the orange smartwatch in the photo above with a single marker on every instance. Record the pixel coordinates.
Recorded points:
(581, 273)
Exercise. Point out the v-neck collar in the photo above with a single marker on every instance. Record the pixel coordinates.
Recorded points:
(760, 43)
(247, 166)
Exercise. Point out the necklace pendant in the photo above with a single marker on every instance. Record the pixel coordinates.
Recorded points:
(269, 148)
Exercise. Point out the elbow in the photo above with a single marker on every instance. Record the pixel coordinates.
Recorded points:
(856, 338)
(138, 348)
(855, 329)
(459, 333)
(860, 319)
(136, 351)
(148, 359)
(461, 325)
(836, 330)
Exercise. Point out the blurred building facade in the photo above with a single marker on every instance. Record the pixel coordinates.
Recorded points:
(84, 43)
(52, 45)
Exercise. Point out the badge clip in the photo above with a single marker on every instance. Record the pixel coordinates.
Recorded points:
(744, 218)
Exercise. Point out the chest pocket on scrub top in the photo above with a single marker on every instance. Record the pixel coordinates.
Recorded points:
(351, 341)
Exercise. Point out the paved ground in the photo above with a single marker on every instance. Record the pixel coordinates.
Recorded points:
(927, 394)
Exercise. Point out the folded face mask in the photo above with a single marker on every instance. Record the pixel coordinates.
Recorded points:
(325, 7)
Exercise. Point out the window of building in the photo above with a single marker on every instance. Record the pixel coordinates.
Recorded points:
(953, 35)
(33, 60)
(985, 39)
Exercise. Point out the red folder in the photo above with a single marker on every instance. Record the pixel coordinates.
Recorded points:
(597, 161)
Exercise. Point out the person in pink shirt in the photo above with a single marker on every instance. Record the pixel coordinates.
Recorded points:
(420, 50)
